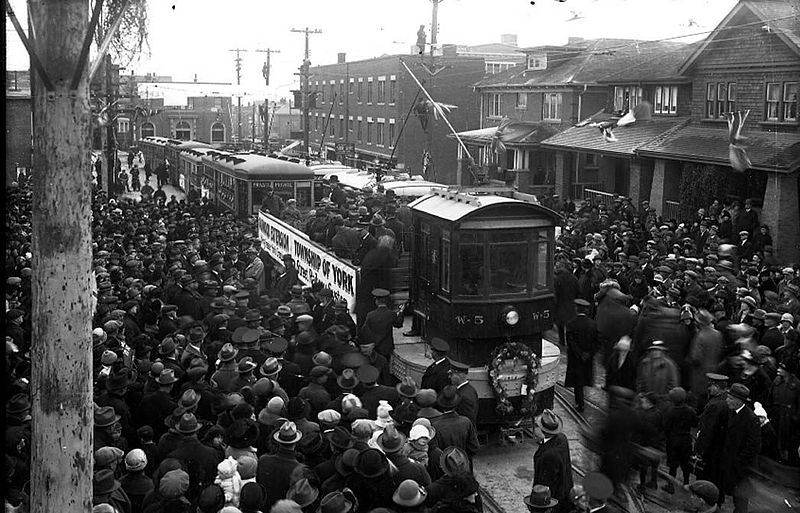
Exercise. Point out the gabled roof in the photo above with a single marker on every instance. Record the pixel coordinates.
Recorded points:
(590, 139)
(600, 61)
(782, 16)
(768, 151)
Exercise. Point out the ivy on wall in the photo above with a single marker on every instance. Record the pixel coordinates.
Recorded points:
(700, 185)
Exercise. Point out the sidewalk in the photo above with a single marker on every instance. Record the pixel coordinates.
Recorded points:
(136, 196)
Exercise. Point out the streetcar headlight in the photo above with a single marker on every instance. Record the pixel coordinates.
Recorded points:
(511, 316)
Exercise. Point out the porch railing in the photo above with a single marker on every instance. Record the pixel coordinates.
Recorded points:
(578, 189)
(597, 196)
(672, 210)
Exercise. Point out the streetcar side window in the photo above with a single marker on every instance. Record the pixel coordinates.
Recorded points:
(508, 262)
(444, 275)
(472, 264)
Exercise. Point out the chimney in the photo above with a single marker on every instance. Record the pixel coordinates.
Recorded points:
(508, 39)
(575, 40)
(449, 50)
(340, 58)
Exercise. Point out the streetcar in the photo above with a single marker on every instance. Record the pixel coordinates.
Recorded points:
(482, 280)
(239, 181)
(191, 176)
(480, 276)
(157, 149)
(403, 186)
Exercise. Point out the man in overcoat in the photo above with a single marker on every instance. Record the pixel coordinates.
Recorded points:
(742, 445)
(551, 461)
(436, 375)
(582, 344)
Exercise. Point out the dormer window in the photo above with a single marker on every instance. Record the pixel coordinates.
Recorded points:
(537, 61)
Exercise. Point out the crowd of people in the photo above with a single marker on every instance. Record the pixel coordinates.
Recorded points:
(694, 324)
(221, 384)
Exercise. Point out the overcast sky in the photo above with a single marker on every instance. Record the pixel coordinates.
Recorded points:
(192, 37)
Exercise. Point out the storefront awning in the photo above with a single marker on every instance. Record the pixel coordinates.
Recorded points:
(590, 139)
(768, 151)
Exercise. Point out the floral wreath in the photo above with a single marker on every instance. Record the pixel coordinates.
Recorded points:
(514, 351)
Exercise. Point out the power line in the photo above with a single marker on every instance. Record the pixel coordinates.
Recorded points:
(305, 74)
(238, 61)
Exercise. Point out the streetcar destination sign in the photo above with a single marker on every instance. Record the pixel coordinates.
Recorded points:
(313, 262)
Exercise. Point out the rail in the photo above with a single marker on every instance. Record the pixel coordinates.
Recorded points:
(577, 189)
(598, 197)
(672, 210)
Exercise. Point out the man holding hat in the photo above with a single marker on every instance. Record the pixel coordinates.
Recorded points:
(199, 460)
(452, 428)
(436, 376)
(551, 461)
(740, 448)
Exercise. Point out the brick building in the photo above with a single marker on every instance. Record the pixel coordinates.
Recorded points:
(18, 143)
(362, 107)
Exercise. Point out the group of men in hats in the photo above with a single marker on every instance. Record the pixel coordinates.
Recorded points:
(213, 393)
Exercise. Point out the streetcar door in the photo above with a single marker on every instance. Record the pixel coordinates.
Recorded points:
(424, 278)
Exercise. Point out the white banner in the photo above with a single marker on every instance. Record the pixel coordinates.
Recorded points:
(313, 262)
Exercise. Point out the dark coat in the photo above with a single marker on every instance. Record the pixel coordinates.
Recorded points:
(565, 287)
(614, 319)
(582, 344)
(453, 429)
(188, 303)
(379, 327)
(710, 438)
(678, 421)
(153, 409)
(274, 471)
(200, 462)
(468, 405)
(371, 397)
(621, 375)
(409, 469)
(436, 376)
(552, 467)
(742, 445)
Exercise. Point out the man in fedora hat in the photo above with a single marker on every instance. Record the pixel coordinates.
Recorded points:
(199, 460)
(187, 299)
(226, 371)
(453, 429)
(159, 404)
(551, 461)
(582, 343)
(541, 500)
(372, 392)
(107, 429)
(437, 376)
(115, 395)
(107, 490)
(740, 448)
(275, 470)
(392, 442)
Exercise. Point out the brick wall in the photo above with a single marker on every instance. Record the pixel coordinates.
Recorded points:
(18, 135)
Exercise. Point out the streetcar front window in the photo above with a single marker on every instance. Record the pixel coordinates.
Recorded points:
(508, 263)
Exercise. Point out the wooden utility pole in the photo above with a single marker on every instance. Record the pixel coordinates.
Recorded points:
(305, 74)
(62, 405)
(265, 72)
(238, 61)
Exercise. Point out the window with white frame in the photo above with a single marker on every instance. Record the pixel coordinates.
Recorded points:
(332, 124)
(123, 125)
(350, 124)
(369, 131)
(217, 132)
(381, 91)
(391, 133)
(495, 105)
(358, 132)
(369, 91)
(665, 100)
(493, 68)
(626, 98)
(350, 86)
(537, 61)
(379, 127)
(790, 101)
(392, 89)
(781, 101)
(551, 106)
(148, 129)
(522, 101)
(341, 127)
(183, 130)
(341, 92)
(359, 90)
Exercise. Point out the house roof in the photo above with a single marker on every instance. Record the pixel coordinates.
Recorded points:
(768, 151)
(590, 139)
(599, 61)
(782, 16)
(525, 133)
(492, 48)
